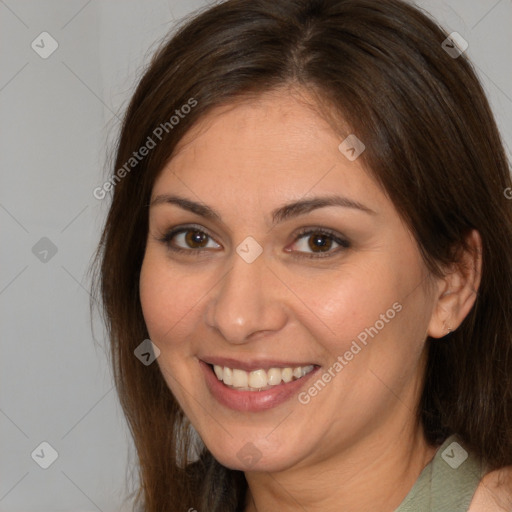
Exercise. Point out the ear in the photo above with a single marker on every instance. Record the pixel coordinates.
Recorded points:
(457, 290)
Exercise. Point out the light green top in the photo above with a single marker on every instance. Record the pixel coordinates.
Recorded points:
(447, 483)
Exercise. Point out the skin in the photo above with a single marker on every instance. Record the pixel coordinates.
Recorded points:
(357, 442)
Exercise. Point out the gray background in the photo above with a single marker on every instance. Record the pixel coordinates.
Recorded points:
(58, 118)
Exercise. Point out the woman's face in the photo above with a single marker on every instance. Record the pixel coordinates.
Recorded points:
(245, 289)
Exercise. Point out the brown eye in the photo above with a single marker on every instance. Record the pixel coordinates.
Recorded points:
(196, 238)
(188, 239)
(317, 243)
(320, 241)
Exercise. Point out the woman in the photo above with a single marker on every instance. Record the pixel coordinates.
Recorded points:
(309, 223)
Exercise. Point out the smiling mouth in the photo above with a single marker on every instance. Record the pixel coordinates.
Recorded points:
(261, 379)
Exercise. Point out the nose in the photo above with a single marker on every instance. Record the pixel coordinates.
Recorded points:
(247, 301)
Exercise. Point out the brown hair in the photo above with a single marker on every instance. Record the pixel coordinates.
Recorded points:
(431, 142)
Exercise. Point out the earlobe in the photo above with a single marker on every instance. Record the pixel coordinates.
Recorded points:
(457, 290)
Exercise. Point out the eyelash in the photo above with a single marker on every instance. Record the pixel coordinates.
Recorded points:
(344, 244)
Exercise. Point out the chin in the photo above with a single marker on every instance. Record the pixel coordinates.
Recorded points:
(251, 456)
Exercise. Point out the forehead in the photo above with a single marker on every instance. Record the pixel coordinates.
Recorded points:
(274, 147)
(269, 125)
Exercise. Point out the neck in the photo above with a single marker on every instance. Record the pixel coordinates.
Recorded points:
(376, 469)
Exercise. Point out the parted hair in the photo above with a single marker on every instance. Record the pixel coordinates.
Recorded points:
(433, 146)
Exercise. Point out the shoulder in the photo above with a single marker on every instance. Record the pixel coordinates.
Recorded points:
(494, 492)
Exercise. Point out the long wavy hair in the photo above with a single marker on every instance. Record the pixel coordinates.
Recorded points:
(432, 144)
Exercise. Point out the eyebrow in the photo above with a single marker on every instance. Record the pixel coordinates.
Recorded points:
(280, 214)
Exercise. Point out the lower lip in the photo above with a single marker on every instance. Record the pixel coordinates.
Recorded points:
(252, 401)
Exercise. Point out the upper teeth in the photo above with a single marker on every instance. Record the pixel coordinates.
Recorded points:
(258, 379)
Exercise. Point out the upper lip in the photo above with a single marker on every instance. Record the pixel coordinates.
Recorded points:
(253, 364)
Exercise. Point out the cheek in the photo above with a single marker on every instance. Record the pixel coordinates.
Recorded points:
(167, 304)
(373, 312)
(340, 304)
(336, 306)
(166, 300)
(151, 296)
